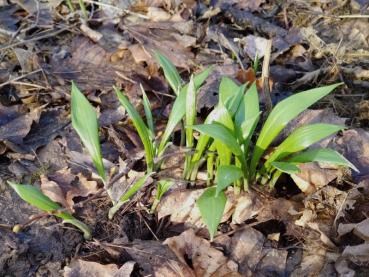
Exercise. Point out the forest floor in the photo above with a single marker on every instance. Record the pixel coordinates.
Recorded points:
(323, 231)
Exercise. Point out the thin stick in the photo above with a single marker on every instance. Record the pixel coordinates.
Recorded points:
(265, 76)
(20, 77)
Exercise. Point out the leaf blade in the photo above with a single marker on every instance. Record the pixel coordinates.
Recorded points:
(226, 175)
(84, 121)
(141, 128)
(170, 71)
(283, 113)
(211, 209)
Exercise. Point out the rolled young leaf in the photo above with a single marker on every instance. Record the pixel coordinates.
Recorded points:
(227, 175)
(36, 198)
(179, 109)
(211, 208)
(190, 111)
(170, 72)
(148, 114)
(324, 155)
(84, 121)
(282, 114)
(141, 128)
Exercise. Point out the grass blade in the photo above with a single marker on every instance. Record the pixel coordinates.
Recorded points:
(141, 128)
(84, 121)
(170, 72)
(282, 114)
(36, 198)
(227, 175)
(148, 114)
(301, 138)
(211, 209)
(325, 155)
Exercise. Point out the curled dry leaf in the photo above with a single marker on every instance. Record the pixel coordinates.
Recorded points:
(206, 260)
(62, 186)
(360, 229)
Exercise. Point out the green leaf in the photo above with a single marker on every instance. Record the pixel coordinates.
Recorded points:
(226, 175)
(218, 114)
(84, 121)
(211, 209)
(36, 198)
(221, 133)
(230, 94)
(126, 196)
(190, 111)
(301, 138)
(163, 187)
(170, 72)
(325, 155)
(248, 113)
(288, 168)
(141, 128)
(148, 114)
(179, 109)
(282, 114)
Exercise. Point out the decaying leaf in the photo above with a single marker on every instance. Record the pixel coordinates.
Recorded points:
(206, 260)
(62, 186)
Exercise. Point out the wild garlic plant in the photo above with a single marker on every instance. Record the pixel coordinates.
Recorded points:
(234, 153)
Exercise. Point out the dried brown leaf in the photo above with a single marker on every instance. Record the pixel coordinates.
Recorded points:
(206, 260)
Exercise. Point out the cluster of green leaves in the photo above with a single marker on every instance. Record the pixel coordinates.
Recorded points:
(224, 142)
(228, 131)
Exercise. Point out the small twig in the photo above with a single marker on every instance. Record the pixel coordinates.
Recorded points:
(265, 76)
(20, 77)
(51, 34)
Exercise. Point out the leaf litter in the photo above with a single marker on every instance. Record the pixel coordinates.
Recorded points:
(314, 225)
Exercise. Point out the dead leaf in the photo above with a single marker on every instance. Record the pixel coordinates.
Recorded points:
(156, 259)
(359, 229)
(206, 260)
(14, 126)
(82, 268)
(62, 186)
(162, 38)
(246, 249)
(254, 45)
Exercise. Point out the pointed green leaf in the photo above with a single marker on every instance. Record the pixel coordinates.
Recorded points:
(211, 209)
(148, 114)
(324, 155)
(84, 121)
(36, 198)
(141, 128)
(179, 109)
(301, 138)
(227, 175)
(221, 133)
(170, 72)
(248, 113)
(288, 168)
(282, 114)
(163, 187)
(230, 94)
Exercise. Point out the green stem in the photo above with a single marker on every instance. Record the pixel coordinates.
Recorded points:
(70, 5)
(83, 9)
